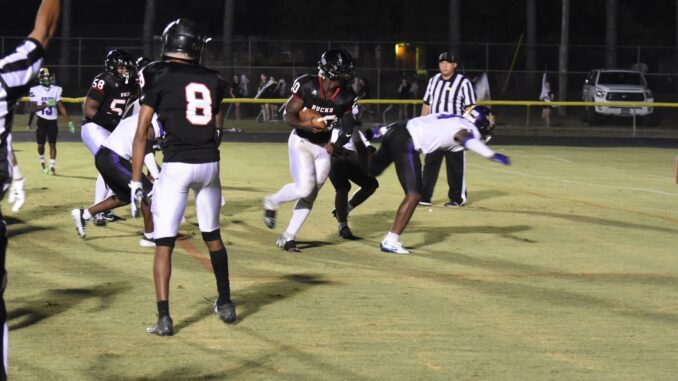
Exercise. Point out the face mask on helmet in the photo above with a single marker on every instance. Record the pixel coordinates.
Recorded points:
(482, 118)
(45, 77)
(337, 65)
(119, 64)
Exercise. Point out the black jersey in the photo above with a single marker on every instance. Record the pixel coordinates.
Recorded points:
(112, 93)
(339, 102)
(186, 99)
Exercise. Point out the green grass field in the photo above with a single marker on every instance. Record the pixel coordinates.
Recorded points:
(562, 267)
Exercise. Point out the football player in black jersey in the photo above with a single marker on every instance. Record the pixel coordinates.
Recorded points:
(329, 94)
(103, 109)
(187, 99)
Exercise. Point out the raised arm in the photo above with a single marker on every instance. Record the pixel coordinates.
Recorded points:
(46, 21)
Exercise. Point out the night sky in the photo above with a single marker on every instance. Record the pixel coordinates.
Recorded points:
(383, 20)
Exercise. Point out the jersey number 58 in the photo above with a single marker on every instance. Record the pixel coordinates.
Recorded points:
(198, 104)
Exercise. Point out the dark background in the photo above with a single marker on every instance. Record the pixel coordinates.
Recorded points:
(649, 23)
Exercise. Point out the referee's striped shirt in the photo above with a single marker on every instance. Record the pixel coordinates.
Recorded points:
(17, 70)
(449, 96)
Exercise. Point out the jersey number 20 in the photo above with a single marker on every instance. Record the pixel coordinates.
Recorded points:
(198, 104)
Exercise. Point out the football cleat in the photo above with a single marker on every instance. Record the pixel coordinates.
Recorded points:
(45, 171)
(346, 233)
(394, 248)
(163, 327)
(226, 312)
(109, 216)
(289, 245)
(80, 222)
(454, 204)
(99, 220)
(147, 242)
(425, 202)
(52, 171)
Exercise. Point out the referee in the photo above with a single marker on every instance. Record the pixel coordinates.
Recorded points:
(447, 92)
(16, 72)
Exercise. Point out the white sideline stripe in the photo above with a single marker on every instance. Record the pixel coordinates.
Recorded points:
(566, 181)
(558, 158)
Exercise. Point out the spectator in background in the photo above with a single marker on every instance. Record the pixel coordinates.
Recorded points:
(236, 92)
(362, 88)
(403, 93)
(244, 85)
(413, 93)
(546, 96)
(263, 82)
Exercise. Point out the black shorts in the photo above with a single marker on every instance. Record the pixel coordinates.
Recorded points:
(397, 147)
(47, 131)
(345, 167)
(117, 173)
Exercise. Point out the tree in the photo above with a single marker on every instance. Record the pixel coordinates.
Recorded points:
(611, 34)
(563, 54)
(147, 33)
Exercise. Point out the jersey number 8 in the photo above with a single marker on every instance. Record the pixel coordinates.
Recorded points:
(198, 104)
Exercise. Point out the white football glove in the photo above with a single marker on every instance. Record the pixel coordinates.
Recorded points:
(17, 196)
(136, 196)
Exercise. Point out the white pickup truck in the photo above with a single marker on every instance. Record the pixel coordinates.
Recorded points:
(616, 86)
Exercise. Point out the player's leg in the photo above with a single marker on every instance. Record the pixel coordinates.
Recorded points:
(5, 181)
(408, 169)
(432, 163)
(41, 138)
(456, 179)
(170, 191)
(320, 169)
(94, 136)
(52, 132)
(368, 184)
(207, 207)
(302, 169)
(339, 179)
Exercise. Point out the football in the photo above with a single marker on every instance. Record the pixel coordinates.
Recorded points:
(308, 114)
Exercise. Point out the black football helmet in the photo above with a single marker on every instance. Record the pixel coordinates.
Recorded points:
(45, 77)
(482, 118)
(183, 36)
(119, 58)
(336, 65)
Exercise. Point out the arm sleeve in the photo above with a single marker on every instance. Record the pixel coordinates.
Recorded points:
(150, 92)
(469, 93)
(150, 163)
(427, 93)
(21, 66)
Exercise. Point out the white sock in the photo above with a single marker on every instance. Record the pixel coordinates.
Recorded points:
(149, 235)
(86, 214)
(479, 147)
(52, 163)
(100, 190)
(298, 218)
(391, 237)
(42, 159)
(286, 194)
(16, 173)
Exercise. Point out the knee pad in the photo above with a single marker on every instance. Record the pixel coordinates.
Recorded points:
(211, 236)
(165, 241)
